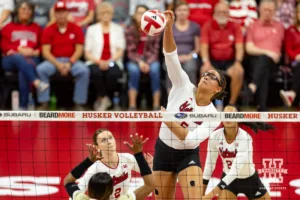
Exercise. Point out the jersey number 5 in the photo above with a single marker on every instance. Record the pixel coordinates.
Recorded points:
(229, 163)
(117, 192)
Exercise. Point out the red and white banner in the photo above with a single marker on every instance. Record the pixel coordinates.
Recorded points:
(35, 156)
(149, 116)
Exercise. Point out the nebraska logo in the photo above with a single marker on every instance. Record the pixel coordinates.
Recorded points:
(125, 166)
(227, 154)
(120, 179)
(186, 107)
(273, 169)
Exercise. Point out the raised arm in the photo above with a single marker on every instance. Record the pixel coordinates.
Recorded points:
(149, 183)
(77, 172)
(176, 74)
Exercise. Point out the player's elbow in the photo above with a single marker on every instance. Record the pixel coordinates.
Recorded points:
(68, 179)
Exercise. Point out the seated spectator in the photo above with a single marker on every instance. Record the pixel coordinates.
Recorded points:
(62, 45)
(201, 11)
(222, 48)
(186, 34)
(104, 49)
(81, 12)
(21, 50)
(161, 5)
(242, 12)
(292, 48)
(263, 43)
(285, 12)
(121, 11)
(143, 53)
(6, 8)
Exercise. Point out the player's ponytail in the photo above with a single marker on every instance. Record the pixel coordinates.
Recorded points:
(258, 126)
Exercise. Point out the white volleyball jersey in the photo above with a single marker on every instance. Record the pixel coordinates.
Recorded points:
(79, 195)
(237, 157)
(121, 175)
(182, 99)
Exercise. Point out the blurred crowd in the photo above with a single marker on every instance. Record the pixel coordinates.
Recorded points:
(99, 42)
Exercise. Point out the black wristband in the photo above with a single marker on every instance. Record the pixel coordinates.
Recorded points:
(78, 171)
(205, 182)
(143, 165)
(71, 188)
(222, 185)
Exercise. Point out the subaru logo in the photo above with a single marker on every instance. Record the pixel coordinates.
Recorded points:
(181, 115)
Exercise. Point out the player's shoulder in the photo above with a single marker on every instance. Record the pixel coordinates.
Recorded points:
(128, 196)
(98, 166)
(217, 133)
(126, 157)
(79, 195)
(244, 135)
(211, 108)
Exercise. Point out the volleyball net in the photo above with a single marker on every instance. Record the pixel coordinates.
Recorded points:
(38, 149)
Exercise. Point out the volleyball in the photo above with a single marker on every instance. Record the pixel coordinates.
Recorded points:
(153, 22)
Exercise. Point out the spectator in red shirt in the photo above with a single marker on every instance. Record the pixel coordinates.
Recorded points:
(21, 50)
(222, 48)
(81, 12)
(201, 11)
(292, 48)
(143, 53)
(263, 44)
(62, 45)
(104, 49)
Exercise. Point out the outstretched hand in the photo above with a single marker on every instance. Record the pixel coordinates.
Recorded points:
(170, 18)
(137, 143)
(95, 154)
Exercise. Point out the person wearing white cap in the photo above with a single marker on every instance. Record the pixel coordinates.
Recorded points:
(100, 186)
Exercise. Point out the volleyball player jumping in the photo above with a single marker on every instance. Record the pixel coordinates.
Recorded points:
(178, 157)
(101, 184)
(234, 145)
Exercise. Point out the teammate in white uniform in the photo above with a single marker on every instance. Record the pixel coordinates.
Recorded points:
(101, 184)
(234, 145)
(176, 154)
(117, 165)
